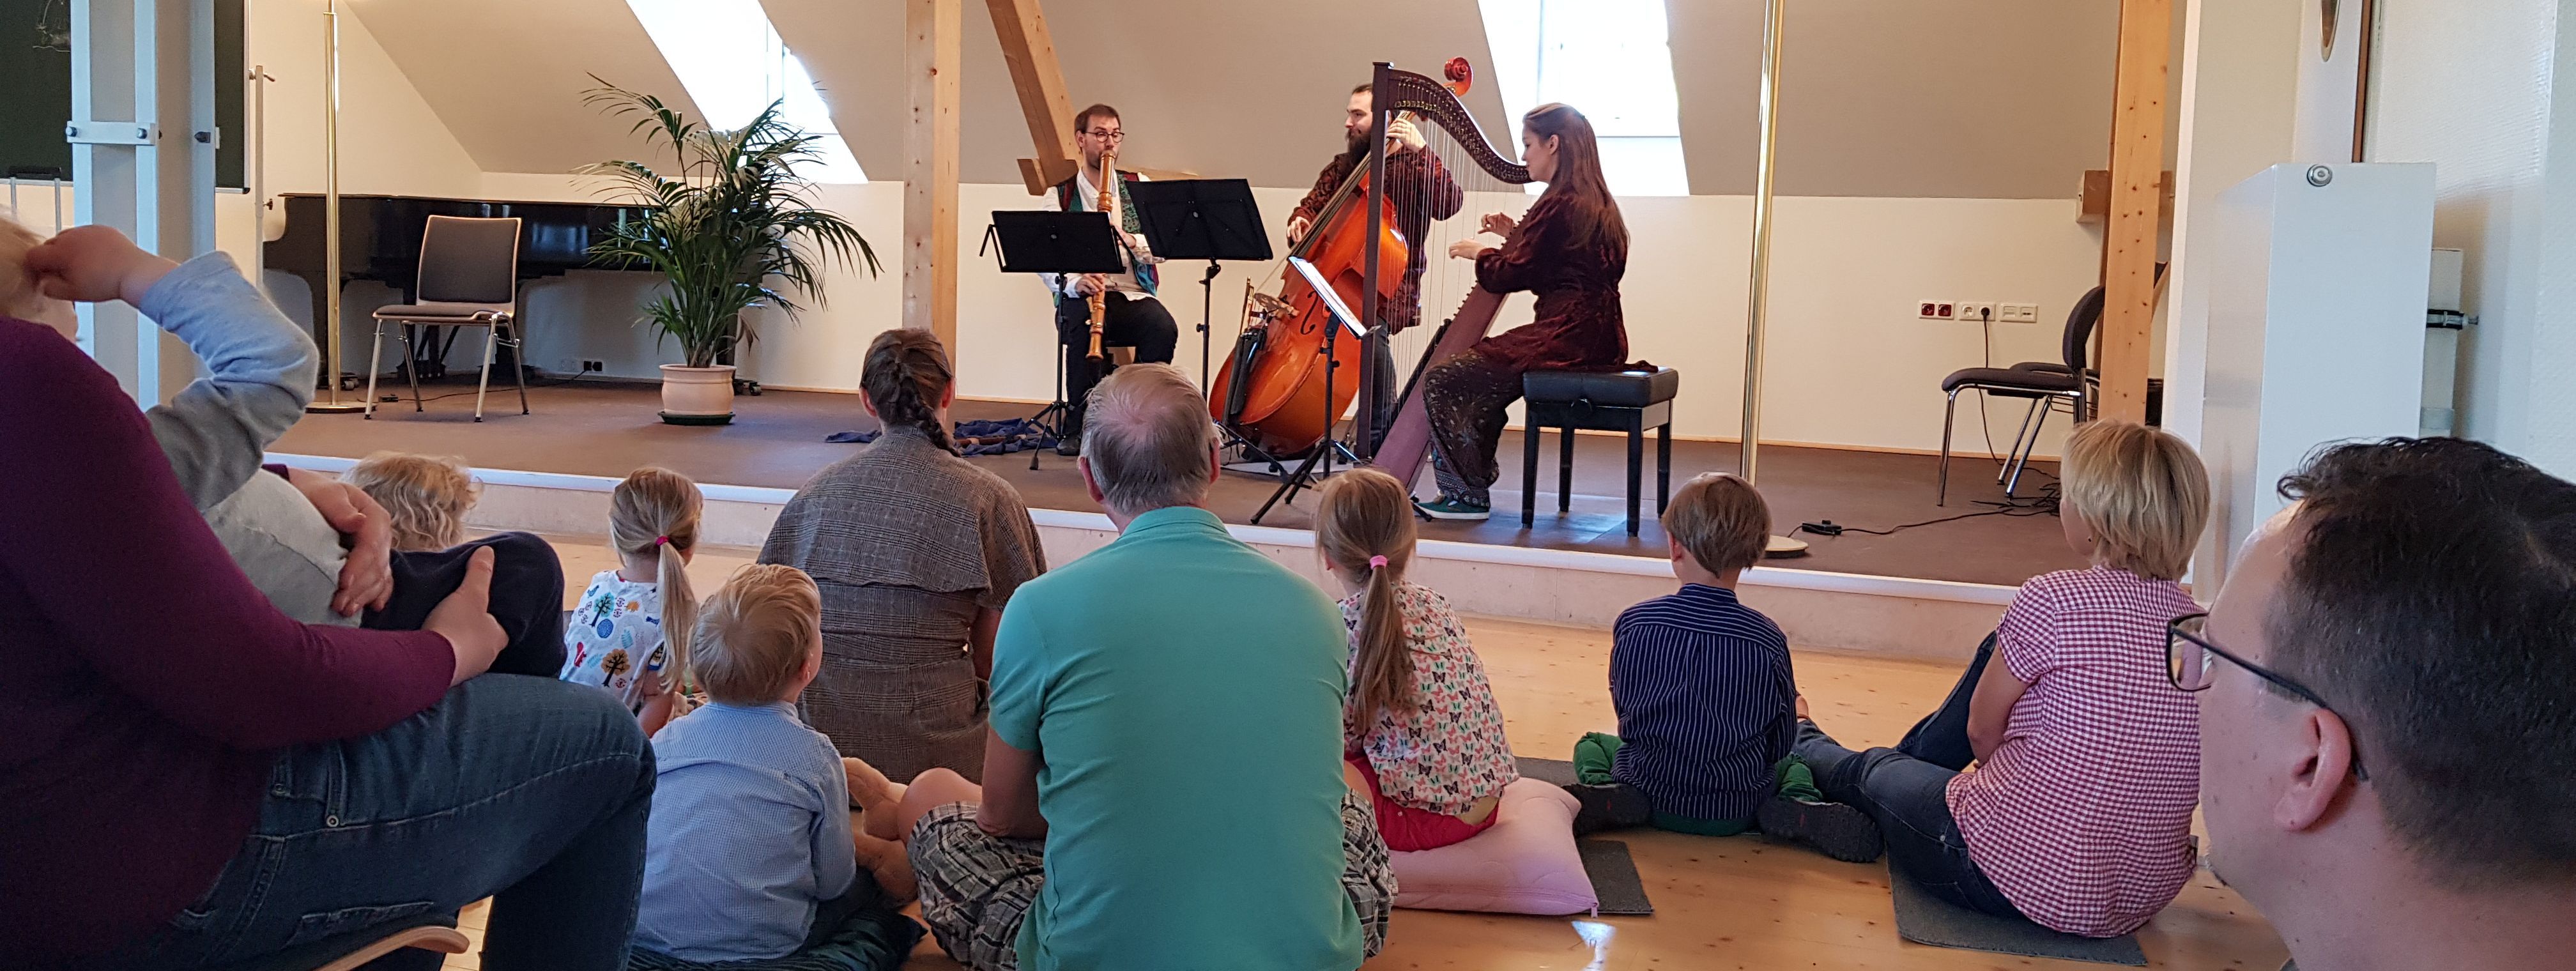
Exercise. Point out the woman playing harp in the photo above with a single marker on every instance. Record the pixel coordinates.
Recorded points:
(1570, 250)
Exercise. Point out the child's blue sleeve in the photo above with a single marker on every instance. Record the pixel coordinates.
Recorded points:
(259, 376)
(836, 854)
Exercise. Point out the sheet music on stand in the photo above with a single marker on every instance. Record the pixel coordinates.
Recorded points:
(1307, 475)
(1202, 219)
(1058, 244)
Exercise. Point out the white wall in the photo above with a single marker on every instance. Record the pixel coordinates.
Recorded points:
(2469, 87)
(2240, 89)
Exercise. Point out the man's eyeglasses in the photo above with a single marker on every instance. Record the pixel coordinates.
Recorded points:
(2189, 665)
(1107, 135)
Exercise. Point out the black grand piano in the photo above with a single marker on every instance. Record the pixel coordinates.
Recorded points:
(380, 240)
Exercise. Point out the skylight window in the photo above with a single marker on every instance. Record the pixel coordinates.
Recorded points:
(1607, 58)
(734, 64)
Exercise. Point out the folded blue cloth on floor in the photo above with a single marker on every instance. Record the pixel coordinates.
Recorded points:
(987, 436)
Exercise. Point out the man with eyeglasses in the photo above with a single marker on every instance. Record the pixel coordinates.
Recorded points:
(1133, 317)
(2387, 691)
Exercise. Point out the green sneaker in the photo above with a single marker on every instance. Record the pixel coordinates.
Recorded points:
(1452, 507)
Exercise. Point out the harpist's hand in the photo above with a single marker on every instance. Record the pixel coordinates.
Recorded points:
(1468, 249)
(1499, 224)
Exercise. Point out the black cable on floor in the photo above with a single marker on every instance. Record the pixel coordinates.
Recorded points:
(2043, 504)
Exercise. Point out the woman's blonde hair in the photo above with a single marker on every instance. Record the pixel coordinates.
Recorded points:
(427, 496)
(18, 295)
(2143, 491)
(755, 633)
(655, 513)
(1366, 514)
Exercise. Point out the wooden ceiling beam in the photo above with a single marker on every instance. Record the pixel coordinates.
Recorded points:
(1039, 80)
(934, 39)
(2129, 240)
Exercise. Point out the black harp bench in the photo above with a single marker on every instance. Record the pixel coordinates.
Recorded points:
(1629, 401)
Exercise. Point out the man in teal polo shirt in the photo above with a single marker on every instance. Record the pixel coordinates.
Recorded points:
(1163, 783)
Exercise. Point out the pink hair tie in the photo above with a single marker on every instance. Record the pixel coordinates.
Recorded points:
(1377, 562)
(661, 540)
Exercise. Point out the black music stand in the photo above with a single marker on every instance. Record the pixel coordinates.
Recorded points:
(1201, 219)
(1057, 244)
(1307, 475)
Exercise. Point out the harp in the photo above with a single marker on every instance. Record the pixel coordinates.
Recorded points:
(1492, 182)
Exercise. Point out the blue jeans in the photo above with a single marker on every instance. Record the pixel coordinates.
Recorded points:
(1906, 790)
(528, 790)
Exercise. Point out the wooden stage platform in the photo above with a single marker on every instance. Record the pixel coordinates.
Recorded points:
(608, 429)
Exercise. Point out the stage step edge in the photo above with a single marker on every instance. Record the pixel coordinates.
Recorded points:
(1933, 620)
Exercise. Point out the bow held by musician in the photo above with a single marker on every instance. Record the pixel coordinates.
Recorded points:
(1419, 189)
(1131, 316)
(1570, 250)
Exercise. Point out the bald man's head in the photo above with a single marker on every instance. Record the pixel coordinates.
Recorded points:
(1148, 441)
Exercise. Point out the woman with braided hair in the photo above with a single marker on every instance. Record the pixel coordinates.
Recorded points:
(915, 552)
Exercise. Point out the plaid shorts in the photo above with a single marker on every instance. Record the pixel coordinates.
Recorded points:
(976, 888)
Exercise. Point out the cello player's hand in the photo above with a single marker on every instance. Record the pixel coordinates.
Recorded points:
(1297, 228)
(1402, 136)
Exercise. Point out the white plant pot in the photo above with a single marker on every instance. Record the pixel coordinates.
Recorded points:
(697, 395)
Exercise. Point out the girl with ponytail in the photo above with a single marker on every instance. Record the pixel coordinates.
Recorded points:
(1421, 732)
(630, 631)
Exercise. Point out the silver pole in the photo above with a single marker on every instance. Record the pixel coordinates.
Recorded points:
(258, 148)
(330, 323)
(1759, 291)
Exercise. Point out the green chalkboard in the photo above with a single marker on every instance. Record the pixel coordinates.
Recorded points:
(36, 90)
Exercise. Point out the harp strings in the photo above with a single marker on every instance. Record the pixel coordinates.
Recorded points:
(1445, 280)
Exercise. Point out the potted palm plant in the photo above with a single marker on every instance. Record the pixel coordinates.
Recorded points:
(731, 227)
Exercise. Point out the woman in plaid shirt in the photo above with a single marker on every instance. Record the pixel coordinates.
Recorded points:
(2077, 814)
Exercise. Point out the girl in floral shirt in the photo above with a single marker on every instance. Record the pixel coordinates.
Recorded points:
(630, 631)
(1421, 732)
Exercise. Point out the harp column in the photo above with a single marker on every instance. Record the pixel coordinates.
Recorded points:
(1758, 292)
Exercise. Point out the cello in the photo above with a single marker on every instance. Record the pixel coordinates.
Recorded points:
(1272, 389)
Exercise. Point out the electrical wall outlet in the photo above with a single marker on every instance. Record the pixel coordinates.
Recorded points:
(2017, 313)
(1976, 312)
(1935, 310)
(588, 366)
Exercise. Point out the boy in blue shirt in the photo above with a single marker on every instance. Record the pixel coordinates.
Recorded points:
(749, 853)
(1706, 699)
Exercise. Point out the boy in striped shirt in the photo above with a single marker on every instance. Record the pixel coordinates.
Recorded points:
(1703, 687)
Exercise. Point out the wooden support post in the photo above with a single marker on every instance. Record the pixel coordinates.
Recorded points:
(931, 55)
(1030, 52)
(2137, 201)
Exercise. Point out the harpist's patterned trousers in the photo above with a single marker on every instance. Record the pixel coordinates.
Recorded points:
(1465, 397)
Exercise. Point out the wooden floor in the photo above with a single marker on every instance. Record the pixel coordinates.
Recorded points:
(1720, 903)
(777, 442)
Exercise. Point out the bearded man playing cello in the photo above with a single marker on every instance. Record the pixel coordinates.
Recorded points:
(1420, 189)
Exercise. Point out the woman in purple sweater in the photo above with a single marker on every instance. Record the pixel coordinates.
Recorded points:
(187, 777)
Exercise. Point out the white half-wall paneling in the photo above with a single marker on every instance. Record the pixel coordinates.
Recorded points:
(2316, 330)
(1854, 365)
